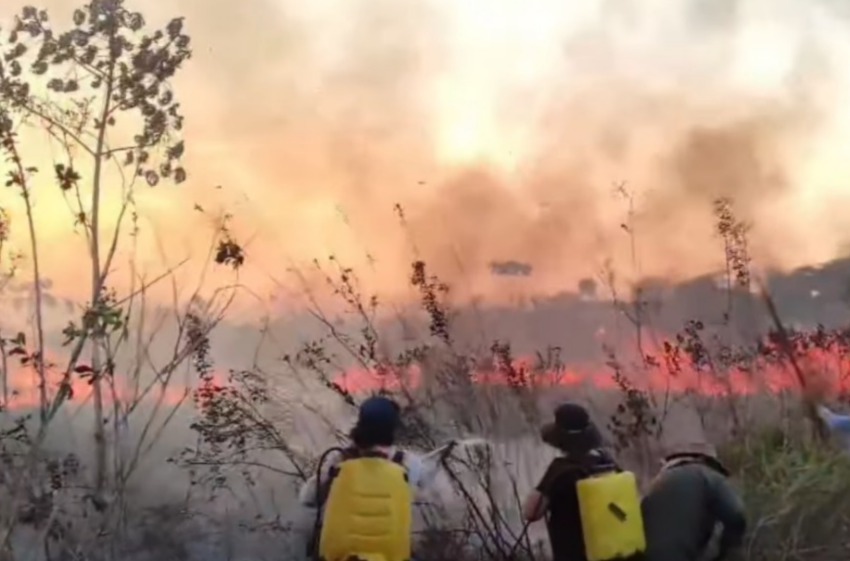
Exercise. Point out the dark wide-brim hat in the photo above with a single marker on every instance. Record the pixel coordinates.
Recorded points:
(697, 450)
(572, 431)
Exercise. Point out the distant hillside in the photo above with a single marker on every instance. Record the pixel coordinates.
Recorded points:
(574, 320)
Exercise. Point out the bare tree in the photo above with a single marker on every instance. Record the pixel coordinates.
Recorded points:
(98, 93)
(109, 103)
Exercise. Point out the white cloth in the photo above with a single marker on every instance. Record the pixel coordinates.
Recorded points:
(839, 425)
(421, 473)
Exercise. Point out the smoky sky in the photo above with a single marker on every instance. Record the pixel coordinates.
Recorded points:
(504, 130)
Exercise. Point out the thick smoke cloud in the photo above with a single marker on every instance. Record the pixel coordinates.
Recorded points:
(502, 130)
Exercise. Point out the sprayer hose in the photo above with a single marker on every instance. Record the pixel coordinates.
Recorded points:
(320, 499)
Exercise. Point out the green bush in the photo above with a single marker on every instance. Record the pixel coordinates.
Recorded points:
(797, 495)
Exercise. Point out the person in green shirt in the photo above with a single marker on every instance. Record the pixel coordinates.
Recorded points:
(688, 498)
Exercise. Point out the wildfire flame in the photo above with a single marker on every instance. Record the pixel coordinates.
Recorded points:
(827, 368)
(671, 368)
(22, 391)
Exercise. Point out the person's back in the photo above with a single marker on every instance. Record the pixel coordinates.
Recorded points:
(363, 494)
(368, 510)
(574, 434)
(559, 487)
(420, 473)
(684, 503)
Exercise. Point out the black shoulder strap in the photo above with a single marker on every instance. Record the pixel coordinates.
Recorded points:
(398, 458)
(371, 454)
(351, 452)
(354, 453)
(606, 463)
(333, 471)
(594, 464)
(347, 454)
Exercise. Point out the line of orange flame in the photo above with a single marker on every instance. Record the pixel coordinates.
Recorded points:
(23, 388)
(829, 369)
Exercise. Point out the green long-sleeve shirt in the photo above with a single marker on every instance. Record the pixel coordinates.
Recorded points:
(682, 508)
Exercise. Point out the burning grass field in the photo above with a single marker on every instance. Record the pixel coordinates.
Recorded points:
(795, 487)
(231, 463)
(241, 441)
(649, 394)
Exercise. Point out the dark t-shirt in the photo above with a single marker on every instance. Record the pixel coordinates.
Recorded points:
(564, 518)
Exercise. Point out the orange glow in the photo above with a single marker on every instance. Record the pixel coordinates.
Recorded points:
(823, 366)
(23, 388)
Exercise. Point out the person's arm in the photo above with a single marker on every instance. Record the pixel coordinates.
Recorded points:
(428, 471)
(422, 470)
(535, 506)
(537, 501)
(308, 494)
(728, 509)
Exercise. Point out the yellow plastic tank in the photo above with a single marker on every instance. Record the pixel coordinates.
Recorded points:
(611, 517)
(368, 513)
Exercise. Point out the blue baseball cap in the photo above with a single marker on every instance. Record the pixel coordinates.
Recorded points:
(379, 411)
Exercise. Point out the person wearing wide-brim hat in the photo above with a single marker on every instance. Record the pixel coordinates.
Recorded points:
(572, 431)
(575, 435)
(688, 498)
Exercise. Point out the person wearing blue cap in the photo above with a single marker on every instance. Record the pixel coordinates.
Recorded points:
(378, 421)
(338, 495)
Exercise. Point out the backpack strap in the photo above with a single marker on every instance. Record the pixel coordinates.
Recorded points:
(595, 463)
(333, 471)
(354, 453)
(371, 454)
(398, 457)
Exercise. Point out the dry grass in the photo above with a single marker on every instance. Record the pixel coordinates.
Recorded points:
(255, 437)
(793, 485)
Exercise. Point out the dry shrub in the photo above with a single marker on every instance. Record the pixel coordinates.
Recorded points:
(476, 515)
(246, 426)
